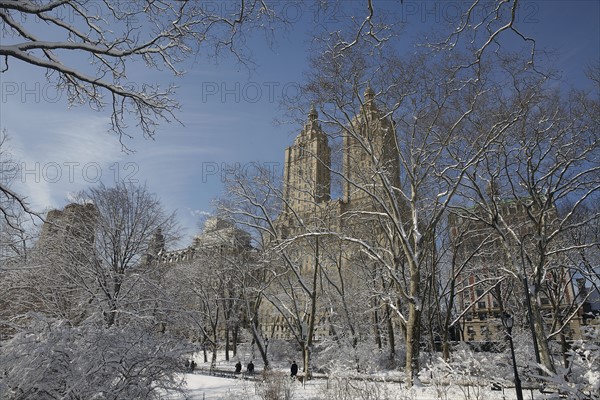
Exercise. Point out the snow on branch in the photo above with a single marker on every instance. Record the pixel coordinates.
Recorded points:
(89, 49)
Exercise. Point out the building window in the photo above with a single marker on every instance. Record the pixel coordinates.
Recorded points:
(470, 332)
(481, 304)
(545, 301)
(482, 316)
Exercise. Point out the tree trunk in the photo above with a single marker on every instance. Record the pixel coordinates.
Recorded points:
(446, 331)
(376, 330)
(235, 340)
(259, 344)
(227, 343)
(306, 358)
(446, 347)
(412, 344)
(565, 348)
(213, 361)
(204, 349)
(543, 348)
(307, 342)
(431, 335)
(412, 327)
(390, 328)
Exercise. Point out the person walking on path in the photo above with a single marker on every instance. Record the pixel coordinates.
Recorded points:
(294, 370)
(238, 367)
(250, 368)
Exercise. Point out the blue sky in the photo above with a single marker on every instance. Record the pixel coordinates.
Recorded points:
(227, 112)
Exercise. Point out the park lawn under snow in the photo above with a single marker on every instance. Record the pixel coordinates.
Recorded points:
(468, 377)
(203, 387)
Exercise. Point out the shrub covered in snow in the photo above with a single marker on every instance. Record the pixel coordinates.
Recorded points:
(581, 380)
(466, 370)
(275, 385)
(53, 359)
(347, 387)
(366, 358)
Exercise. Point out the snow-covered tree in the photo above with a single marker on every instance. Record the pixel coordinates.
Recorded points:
(54, 359)
(14, 209)
(529, 188)
(89, 261)
(445, 104)
(292, 256)
(127, 218)
(85, 315)
(89, 49)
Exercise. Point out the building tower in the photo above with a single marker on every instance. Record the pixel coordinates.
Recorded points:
(156, 247)
(370, 147)
(72, 227)
(307, 178)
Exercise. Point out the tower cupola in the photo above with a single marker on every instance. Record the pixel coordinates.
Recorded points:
(369, 94)
(313, 114)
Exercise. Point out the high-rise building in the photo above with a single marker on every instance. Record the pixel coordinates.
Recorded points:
(369, 152)
(307, 165)
(369, 148)
(369, 161)
(73, 228)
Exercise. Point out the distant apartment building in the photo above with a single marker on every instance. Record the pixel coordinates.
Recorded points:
(68, 235)
(491, 271)
(218, 236)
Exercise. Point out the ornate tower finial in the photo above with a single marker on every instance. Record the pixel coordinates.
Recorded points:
(313, 114)
(369, 94)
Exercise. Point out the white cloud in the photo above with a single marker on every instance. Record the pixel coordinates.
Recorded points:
(199, 213)
(58, 156)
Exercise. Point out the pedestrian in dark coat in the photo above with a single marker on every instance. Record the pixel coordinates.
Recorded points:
(294, 370)
(250, 368)
(238, 367)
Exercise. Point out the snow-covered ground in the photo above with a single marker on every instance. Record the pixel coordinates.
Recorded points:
(202, 387)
